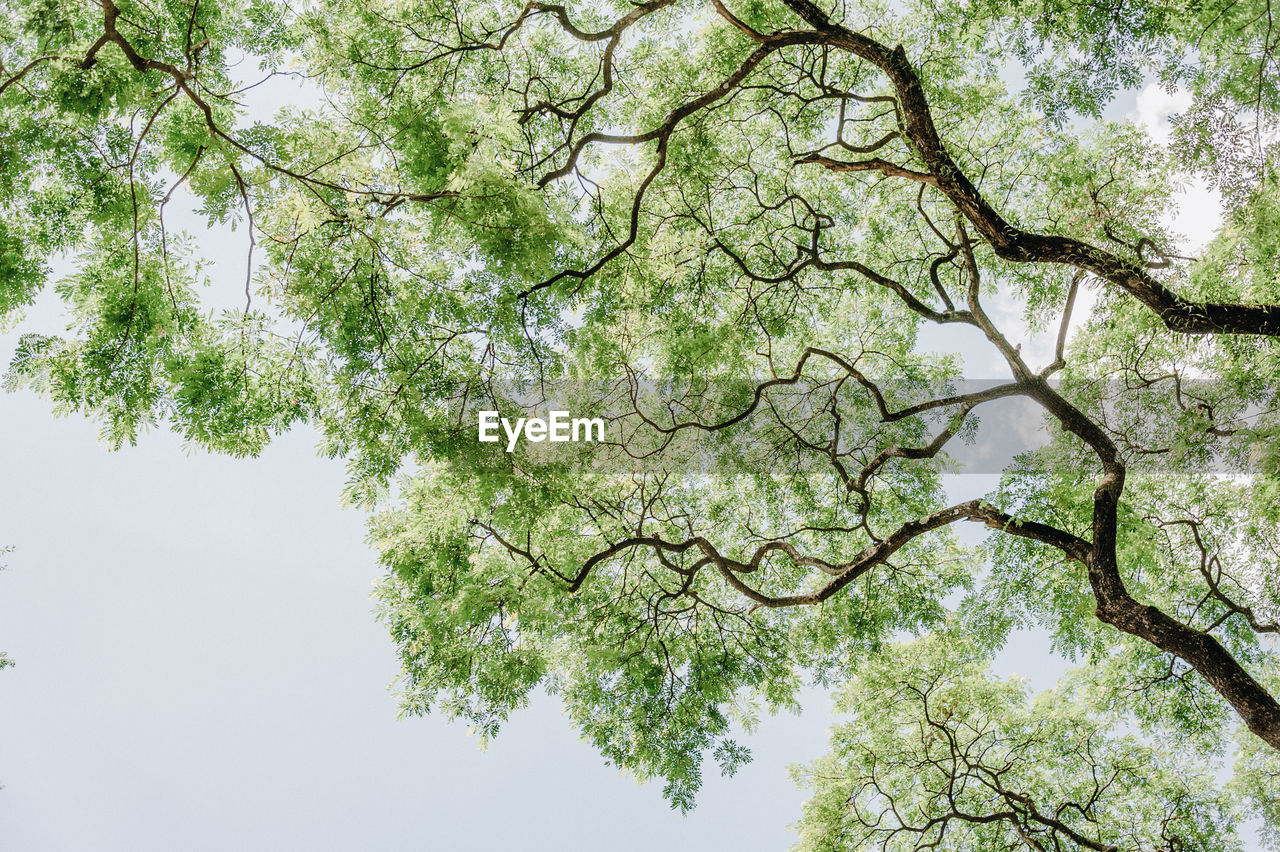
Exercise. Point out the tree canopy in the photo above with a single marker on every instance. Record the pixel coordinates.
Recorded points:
(759, 239)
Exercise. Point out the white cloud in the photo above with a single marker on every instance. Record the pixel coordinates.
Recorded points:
(1154, 107)
(1197, 213)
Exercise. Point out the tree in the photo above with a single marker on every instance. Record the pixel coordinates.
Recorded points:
(940, 755)
(739, 232)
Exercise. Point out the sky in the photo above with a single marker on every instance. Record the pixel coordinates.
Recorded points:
(199, 668)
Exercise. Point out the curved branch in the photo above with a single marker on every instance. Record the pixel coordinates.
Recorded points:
(1012, 243)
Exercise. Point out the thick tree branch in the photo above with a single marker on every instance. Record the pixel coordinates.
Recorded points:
(1012, 243)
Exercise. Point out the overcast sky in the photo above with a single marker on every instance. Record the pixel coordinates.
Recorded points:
(198, 668)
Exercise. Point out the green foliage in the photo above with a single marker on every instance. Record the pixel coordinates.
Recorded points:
(1257, 781)
(739, 250)
(938, 754)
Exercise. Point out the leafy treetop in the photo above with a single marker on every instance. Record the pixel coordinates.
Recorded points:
(748, 234)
